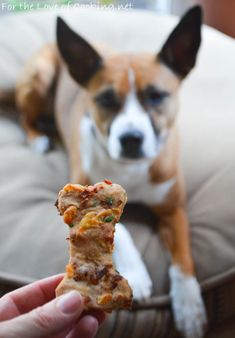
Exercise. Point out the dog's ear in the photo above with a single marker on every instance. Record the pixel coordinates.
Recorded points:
(82, 60)
(180, 50)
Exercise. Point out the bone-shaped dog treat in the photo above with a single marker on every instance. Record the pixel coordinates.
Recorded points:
(91, 213)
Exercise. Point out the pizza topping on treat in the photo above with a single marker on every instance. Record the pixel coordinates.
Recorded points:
(91, 213)
(108, 182)
(69, 271)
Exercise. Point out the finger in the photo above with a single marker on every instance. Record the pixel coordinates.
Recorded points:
(28, 297)
(99, 315)
(86, 328)
(54, 317)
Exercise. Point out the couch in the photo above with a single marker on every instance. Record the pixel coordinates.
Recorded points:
(32, 236)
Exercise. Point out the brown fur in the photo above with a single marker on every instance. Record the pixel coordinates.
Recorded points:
(34, 90)
(32, 99)
(147, 71)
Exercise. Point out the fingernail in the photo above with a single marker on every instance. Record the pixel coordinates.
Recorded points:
(70, 302)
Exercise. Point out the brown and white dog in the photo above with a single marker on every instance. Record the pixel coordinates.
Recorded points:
(116, 114)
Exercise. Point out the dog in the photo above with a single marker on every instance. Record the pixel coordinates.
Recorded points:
(116, 114)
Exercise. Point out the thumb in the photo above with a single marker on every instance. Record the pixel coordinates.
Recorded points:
(54, 317)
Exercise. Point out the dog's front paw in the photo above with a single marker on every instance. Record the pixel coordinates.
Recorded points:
(187, 304)
(40, 144)
(140, 283)
(130, 264)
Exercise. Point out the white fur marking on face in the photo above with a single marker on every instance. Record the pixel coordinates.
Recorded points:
(187, 303)
(132, 175)
(132, 117)
(129, 263)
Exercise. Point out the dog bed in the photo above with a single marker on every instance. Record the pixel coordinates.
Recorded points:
(32, 236)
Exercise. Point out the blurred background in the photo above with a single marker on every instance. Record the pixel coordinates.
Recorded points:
(219, 14)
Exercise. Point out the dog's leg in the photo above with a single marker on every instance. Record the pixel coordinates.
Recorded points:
(39, 142)
(33, 94)
(187, 304)
(130, 264)
(77, 174)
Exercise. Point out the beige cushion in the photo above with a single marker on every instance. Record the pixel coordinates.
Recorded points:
(32, 236)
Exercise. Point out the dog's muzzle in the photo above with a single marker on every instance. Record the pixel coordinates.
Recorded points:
(131, 144)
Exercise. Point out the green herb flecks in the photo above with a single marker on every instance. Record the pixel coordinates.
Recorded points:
(109, 200)
(109, 218)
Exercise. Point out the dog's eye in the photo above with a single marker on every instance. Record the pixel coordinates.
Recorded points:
(152, 96)
(108, 100)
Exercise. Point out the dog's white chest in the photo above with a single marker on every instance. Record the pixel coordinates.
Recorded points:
(134, 177)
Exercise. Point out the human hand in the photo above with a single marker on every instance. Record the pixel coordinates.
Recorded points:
(32, 311)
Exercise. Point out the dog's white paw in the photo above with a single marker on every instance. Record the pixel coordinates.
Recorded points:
(187, 304)
(130, 264)
(40, 144)
(139, 281)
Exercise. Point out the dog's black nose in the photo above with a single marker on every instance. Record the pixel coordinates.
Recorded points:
(131, 143)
